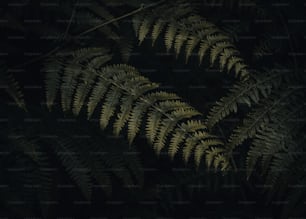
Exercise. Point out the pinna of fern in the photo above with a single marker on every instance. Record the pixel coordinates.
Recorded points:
(11, 86)
(126, 99)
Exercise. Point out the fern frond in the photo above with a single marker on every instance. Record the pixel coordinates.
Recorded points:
(168, 124)
(190, 46)
(108, 109)
(225, 55)
(142, 107)
(179, 135)
(125, 49)
(98, 92)
(286, 166)
(271, 139)
(63, 74)
(127, 97)
(52, 69)
(179, 41)
(218, 49)
(265, 47)
(144, 29)
(104, 162)
(170, 36)
(249, 93)
(137, 19)
(140, 86)
(41, 174)
(256, 120)
(74, 167)
(157, 29)
(192, 142)
(12, 87)
(155, 116)
(213, 156)
(186, 29)
(86, 83)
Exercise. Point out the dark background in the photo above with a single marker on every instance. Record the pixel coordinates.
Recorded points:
(168, 185)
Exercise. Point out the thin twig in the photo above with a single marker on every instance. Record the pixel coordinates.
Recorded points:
(141, 8)
(70, 20)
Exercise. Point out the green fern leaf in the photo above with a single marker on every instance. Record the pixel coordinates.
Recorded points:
(212, 154)
(144, 29)
(155, 117)
(127, 102)
(190, 46)
(98, 92)
(142, 107)
(218, 49)
(170, 36)
(181, 26)
(168, 124)
(180, 135)
(203, 49)
(108, 109)
(179, 41)
(157, 29)
(14, 90)
(87, 80)
(192, 142)
(74, 167)
(128, 97)
(137, 21)
(225, 56)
